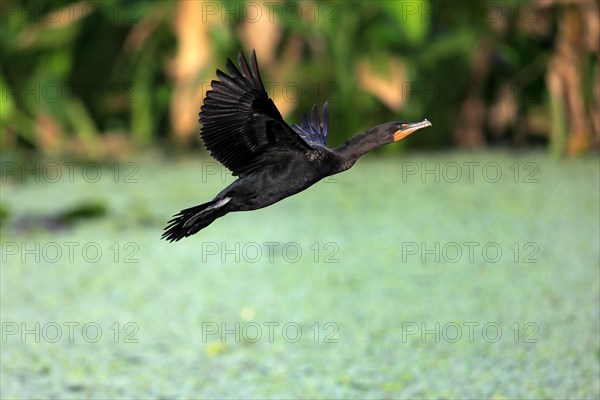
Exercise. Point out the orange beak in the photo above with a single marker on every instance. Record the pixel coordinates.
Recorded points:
(407, 129)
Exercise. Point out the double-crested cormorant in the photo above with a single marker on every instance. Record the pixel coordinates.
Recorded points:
(244, 131)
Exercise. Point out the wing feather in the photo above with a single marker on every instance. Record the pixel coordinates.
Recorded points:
(316, 129)
(240, 123)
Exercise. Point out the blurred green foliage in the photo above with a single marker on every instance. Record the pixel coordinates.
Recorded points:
(75, 74)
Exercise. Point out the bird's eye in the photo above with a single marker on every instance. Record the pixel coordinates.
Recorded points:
(404, 125)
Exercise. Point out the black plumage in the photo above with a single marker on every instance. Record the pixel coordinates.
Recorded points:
(244, 131)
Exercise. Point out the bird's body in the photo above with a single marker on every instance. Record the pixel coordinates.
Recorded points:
(272, 184)
(242, 129)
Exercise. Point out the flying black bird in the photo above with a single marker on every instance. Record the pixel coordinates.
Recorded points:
(244, 131)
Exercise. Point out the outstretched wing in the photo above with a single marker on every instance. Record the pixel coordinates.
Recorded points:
(240, 123)
(315, 130)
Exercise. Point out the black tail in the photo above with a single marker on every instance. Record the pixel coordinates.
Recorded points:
(191, 220)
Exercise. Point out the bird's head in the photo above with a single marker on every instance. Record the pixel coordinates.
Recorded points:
(403, 129)
(373, 138)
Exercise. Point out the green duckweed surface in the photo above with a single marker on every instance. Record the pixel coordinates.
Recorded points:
(451, 275)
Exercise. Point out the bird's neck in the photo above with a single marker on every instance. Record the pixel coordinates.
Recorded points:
(360, 144)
